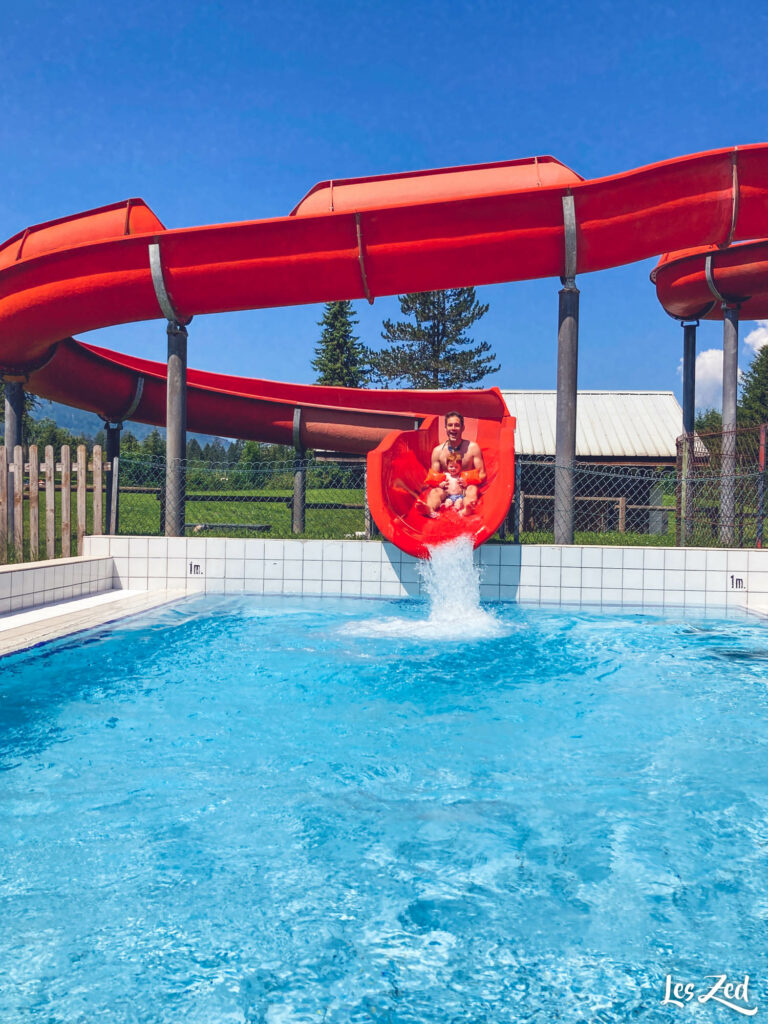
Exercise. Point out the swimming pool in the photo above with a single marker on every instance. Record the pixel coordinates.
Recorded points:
(271, 809)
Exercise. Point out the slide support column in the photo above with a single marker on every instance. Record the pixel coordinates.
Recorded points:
(176, 431)
(689, 375)
(565, 429)
(730, 386)
(113, 452)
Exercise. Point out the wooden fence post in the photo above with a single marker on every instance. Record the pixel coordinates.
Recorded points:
(3, 504)
(98, 469)
(34, 505)
(82, 483)
(114, 482)
(50, 503)
(66, 502)
(18, 502)
(622, 515)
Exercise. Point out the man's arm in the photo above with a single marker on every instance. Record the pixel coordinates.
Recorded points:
(477, 459)
(436, 464)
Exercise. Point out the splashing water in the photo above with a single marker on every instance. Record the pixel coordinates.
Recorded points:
(452, 582)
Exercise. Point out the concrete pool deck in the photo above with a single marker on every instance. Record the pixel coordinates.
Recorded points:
(120, 576)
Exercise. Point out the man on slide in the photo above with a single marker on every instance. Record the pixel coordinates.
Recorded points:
(471, 460)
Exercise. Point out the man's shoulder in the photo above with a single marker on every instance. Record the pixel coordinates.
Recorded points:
(473, 448)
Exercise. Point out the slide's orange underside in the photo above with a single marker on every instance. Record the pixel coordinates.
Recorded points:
(358, 239)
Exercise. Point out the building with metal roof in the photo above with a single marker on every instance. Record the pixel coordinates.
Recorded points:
(612, 427)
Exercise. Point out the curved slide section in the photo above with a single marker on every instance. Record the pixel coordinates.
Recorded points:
(694, 283)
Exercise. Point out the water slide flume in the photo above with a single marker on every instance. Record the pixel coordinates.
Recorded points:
(356, 238)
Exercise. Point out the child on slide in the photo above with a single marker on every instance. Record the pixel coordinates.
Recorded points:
(453, 486)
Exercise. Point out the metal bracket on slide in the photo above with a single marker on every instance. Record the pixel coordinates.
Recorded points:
(126, 415)
(734, 198)
(161, 292)
(297, 430)
(710, 279)
(571, 252)
(361, 258)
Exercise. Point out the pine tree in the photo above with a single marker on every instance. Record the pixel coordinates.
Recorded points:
(753, 407)
(340, 359)
(435, 351)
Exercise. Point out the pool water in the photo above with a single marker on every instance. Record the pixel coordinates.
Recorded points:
(287, 810)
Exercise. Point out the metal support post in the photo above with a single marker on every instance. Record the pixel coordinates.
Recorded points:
(730, 384)
(14, 413)
(565, 435)
(176, 431)
(299, 477)
(761, 488)
(113, 452)
(516, 503)
(689, 376)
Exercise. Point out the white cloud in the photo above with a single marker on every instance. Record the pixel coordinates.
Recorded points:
(757, 338)
(709, 378)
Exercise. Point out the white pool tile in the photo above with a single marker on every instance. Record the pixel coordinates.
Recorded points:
(592, 557)
(176, 547)
(136, 567)
(313, 586)
(550, 556)
(653, 598)
(508, 593)
(674, 579)
(272, 586)
(612, 578)
(313, 550)
(695, 580)
(292, 569)
(549, 576)
(273, 569)
(234, 547)
(370, 589)
(510, 554)
(716, 581)
(371, 552)
(177, 568)
(695, 559)
(571, 556)
(293, 549)
(509, 575)
(351, 551)
(695, 598)
(156, 547)
(491, 575)
(653, 558)
(157, 567)
(674, 559)
(570, 596)
(611, 596)
(674, 598)
(196, 547)
(390, 589)
(489, 592)
(632, 597)
(389, 573)
(591, 578)
(612, 558)
(490, 554)
(390, 552)
(591, 595)
(350, 572)
(332, 587)
(528, 595)
(332, 551)
(331, 570)
(409, 572)
(350, 588)
(756, 583)
(570, 577)
(215, 568)
(758, 560)
(253, 586)
(312, 570)
(716, 561)
(738, 562)
(215, 585)
(195, 585)
(216, 547)
(292, 586)
(549, 595)
(254, 547)
(632, 558)
(119, 547)
(234, 586)
(371, 571)
(653, 579)
(253, 569)
(530, 555)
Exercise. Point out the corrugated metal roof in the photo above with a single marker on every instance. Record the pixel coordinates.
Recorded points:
(609, 424)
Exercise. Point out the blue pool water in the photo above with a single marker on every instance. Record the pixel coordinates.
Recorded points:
(289, 810)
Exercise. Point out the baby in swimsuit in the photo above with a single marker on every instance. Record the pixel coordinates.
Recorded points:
(452, 485)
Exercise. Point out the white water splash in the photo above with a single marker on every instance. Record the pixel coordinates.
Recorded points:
(452, 582)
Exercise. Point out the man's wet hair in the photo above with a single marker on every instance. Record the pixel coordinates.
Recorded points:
(449, 414)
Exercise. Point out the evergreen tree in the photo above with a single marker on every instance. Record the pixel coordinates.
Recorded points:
(194, 451)
(339, 356)
(153, 445)
(709, 421)
(753, 407)
(435, 351)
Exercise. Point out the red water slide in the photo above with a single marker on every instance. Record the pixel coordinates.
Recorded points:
(694, 284)
(355, 238)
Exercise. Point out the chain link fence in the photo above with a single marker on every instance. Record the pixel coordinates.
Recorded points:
(713, 496)
(721, 493)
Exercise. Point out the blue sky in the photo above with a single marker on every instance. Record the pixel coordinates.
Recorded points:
(232, 111)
